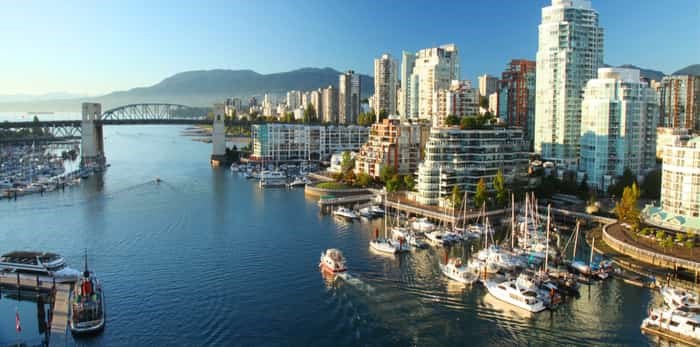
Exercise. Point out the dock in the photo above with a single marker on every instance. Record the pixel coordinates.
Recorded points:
(440, 214)
(670, 336)
(59, 297)
(342, 200)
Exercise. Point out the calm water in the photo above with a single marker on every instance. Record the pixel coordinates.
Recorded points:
(207, 258)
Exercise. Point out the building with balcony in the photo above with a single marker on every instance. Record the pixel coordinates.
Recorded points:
(619, 116)
(680, 102)
(392, 143)
(680, 188)
(455, 157)
(516, 96)
(385, 84)
(279, 142)
(459, 100)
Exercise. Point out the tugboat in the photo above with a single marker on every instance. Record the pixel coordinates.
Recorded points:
(87, 313)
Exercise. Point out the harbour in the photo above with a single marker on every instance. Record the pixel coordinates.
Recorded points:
(404, 299)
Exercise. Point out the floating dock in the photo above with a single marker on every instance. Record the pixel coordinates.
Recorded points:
(59, 296)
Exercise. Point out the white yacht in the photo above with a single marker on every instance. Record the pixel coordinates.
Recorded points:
(685, 324)
(423, 224)
(456, 270)
(38, 263)
(495, 256)
(680, 299)
(345, 213)
(332, 260)
(436, 238)
(234, 167)
(510, 292)
(366, 212)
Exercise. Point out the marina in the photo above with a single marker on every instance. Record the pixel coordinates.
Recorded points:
(398, 298)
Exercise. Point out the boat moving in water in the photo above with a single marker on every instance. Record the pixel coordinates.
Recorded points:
(38, 263)
(332, 260)
(87, 313)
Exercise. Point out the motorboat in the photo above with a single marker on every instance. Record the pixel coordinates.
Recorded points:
(273, 179)
(401, 245)
(436, 238)
(345, 213)
(366, 212)
(685, 324)
(456, 270)
(87, 309)
(38, 263)
(332, 260)
(510, 292)
(376, 210)
(682, 299)
(423, 225)
(494, 255)
(298, 182)
(234, 167)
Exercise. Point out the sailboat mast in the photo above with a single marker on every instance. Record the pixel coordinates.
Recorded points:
(546, 249)
(512, 222)
(576, 240)
(590, 262)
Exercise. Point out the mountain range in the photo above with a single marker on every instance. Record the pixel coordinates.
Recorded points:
(205, 87)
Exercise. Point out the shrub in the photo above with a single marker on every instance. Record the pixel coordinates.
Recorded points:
(660, 235)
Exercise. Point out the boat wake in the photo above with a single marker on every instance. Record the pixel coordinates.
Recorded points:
(355, 282)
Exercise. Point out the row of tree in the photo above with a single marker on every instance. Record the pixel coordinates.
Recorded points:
(482, 196)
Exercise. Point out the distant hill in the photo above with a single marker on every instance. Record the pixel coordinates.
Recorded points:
(689, 70)
(203, 88)
(646, 73)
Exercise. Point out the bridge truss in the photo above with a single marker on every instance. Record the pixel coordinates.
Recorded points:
(150, 112)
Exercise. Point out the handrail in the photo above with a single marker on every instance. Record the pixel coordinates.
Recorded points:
(686, 263)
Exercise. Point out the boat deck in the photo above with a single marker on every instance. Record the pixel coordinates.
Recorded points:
(670, 336)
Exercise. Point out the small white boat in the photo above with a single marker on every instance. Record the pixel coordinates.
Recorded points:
(234, 167)
(456, 270)
(511, 293)
(497, 257)
(376, 210)
(332, 260)
(423, 224)
(345, 213)
(685, 324)
(383, 246)
(366, 212)
(680, 299)
(436, 238)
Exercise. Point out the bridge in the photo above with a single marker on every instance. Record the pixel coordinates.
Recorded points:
(89, 127)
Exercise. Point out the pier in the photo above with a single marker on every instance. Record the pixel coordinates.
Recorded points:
(59, 294)
(448, 216)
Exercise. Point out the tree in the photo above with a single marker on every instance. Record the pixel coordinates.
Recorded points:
(626, 208)
(363, 180)
(393, 184)
(452, 120)
(626, 180)
(309, 114)
(667, 242)
(456, 197)
(499, 185)
(481, 194)
(386, 173)
(409, 182)
(383, 114)
(582, 191)
(651, 187)
(36, 129)
(366, 119)
(484, 102)
(347, 163)
(690, 244)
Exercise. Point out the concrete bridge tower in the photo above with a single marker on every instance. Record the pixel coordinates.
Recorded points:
(218, 135)
(92, 144)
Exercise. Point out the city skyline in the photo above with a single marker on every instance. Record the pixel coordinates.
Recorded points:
(103, 47)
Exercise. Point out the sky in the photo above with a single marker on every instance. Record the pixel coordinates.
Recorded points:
(95, 47)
